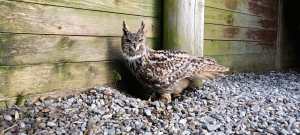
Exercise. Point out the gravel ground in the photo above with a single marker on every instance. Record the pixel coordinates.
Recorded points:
(245, 103)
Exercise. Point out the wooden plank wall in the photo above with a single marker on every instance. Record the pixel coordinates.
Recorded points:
(65, 44)
(241, 34)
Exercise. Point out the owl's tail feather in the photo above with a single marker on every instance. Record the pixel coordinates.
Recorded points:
(212, 71)
(209, 75)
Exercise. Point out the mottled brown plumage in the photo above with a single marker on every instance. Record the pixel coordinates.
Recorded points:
(166, 72)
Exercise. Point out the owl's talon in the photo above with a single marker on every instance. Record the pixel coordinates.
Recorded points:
(151, 97)
(166, 98)
(176, 94)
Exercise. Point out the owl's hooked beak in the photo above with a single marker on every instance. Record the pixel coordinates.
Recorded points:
(135, 47)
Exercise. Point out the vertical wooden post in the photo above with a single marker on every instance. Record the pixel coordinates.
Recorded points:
(183, 25)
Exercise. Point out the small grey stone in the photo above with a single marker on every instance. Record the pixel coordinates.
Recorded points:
(169, 107)
(297, 131)
(148, 133)
(128, 128)
(284, 132)
(51, 124)
(217, 133)
(17, 115)
(156, 104)
(212, 127)
(111, 131)
(242, 113)
(133, 104)
(182, 121)
(42, 125)
(147, 112)
(107, 116)
(22, 125)
(271, 130)
(186, 132)
(93, 106)
(138, 124)
(7, 117)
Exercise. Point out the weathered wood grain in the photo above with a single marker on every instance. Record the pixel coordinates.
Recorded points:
(247, 62)
(19, 17)
(18, 49)
(263, 8)
(133, 7)
(199, 27)
(7, 102)
(33, 79)
(241, 34)
(220, 32)
(217, 16)
(214, 47)
(180, 25)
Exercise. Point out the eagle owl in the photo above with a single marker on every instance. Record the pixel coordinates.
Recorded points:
(165, 72)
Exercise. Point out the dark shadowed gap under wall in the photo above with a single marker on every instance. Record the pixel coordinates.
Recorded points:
(290, 34)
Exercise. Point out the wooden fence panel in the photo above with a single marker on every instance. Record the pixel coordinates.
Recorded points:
(132, 7)
(66, 45)
(221, 32)
(262, 8)
(19, 49)
(215, 16)
(33, 79)
(238, 32)
(213, 47)
(18, 17)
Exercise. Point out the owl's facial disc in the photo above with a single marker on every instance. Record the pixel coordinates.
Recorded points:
(133, 44)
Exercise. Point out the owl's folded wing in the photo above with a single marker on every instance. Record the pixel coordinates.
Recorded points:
(165, 68)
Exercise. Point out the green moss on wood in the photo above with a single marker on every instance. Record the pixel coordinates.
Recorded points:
(21, 99)
(7, 103)
(65, 43)
(5, 72)
(8, 4)
(116, 76)
(2, 104)
(63, 71)
(9, 18)
(6, 42)
(230, 19)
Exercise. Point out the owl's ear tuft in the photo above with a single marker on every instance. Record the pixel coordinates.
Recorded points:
(142, 28)
(125, 30)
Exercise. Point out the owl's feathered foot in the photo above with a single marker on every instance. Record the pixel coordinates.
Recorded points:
(166, 97)
(152, 97)
(176, 95)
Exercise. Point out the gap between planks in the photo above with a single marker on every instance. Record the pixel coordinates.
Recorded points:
(267, 29)
(46, 34)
